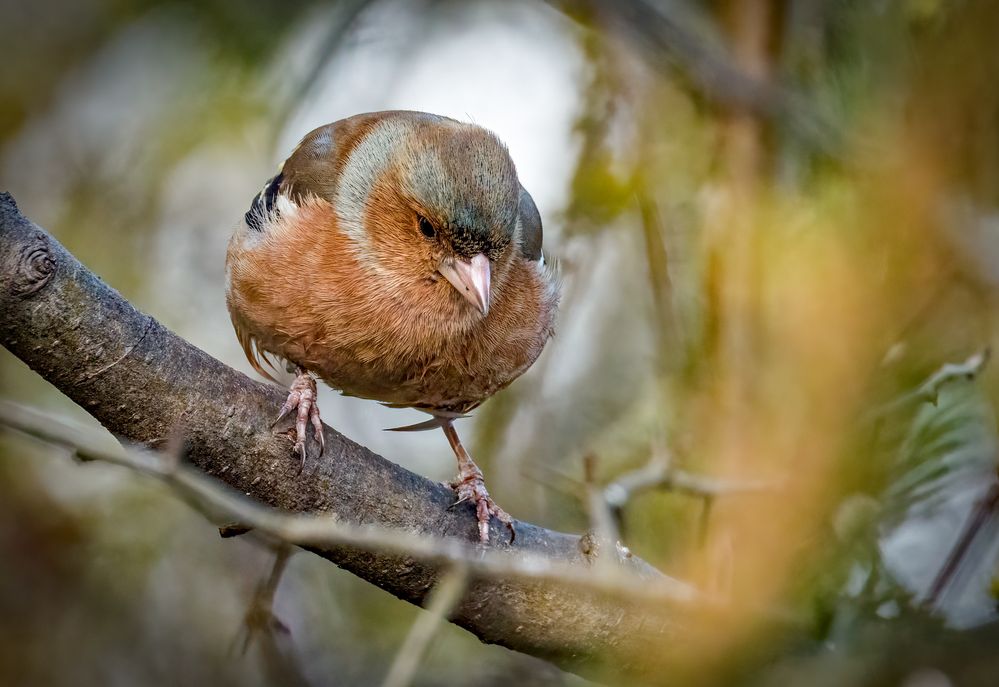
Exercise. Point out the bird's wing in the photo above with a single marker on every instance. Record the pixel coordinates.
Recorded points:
(264, 203)
(311, 169)
(306, 173)
(530, 227)
(314, 168)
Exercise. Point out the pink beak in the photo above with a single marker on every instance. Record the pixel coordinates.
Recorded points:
(471, 279)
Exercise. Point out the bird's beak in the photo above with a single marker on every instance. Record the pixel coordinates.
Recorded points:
(471, 278)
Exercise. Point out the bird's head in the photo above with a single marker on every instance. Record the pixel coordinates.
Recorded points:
(462, 189)
(444, 211)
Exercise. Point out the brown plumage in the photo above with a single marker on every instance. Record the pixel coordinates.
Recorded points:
(397, 257)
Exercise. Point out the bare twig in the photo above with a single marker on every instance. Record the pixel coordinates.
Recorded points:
(277, 652)
(929, 390)
(443, 599)
(602, 522)
(660, 475)
(604, 537)
(659, 279)
(673, 47)
(605, 506)
(320, 531)
(260, 614)
(981, 512)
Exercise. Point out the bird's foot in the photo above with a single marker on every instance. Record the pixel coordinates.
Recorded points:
(471, 487)
(302, 398)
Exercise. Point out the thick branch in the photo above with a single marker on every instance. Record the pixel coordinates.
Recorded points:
(145, 385)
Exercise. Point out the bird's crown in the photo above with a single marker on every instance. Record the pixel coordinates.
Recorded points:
(463, 179)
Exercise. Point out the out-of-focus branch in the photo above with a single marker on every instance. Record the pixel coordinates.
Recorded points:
(604, 537)
(660, 283)
(275, 641)
(147, 386)
(929, 390)
(445, 596)
(317, 532)
(260, 616)
(659, 474)
(671, 46)
(981, 513)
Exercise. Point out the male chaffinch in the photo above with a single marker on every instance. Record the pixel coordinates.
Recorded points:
(396, 256)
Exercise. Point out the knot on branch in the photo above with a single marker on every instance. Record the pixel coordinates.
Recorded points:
(35, 266)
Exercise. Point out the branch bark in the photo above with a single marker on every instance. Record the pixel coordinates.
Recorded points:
(145, 384)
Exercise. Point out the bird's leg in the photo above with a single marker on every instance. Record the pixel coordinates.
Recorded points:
(470, 487)
(302, 397)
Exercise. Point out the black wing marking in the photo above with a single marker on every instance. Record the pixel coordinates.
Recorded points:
(531, 234)
(263, 204)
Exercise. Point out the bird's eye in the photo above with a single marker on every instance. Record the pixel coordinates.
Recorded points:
(426, 228)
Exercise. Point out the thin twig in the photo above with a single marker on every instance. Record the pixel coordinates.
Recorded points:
(326, 531)
(604, 535)
(672, 46)
(260, 615)
(277, 652)
(601, 519)
(929, 390)
(980, 515)
(659, 474)
(443, 600)
(660, 284)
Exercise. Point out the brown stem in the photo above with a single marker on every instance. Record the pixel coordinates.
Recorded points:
(980, 515)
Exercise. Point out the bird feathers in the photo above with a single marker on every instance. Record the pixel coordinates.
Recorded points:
(339, 280)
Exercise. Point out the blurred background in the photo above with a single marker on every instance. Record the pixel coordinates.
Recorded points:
(776, 220)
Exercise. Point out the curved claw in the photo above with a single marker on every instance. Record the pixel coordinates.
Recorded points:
(473, 489)
(299, 448)
(317, 429)
(302, 400)
(289, 405)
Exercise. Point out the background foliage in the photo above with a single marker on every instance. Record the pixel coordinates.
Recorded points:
(775, 221)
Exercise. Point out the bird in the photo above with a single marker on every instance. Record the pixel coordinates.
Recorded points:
(395, 256)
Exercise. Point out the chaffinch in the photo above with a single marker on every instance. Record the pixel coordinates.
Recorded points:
(397, 257)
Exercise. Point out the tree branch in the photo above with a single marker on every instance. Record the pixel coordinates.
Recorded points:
(929, 390)
(146, 385)
(319, 532)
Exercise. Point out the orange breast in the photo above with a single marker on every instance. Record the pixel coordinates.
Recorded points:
(303, 291)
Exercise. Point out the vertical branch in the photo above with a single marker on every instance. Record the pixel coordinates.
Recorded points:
(752, 27)
(277, 652)
(260, 615)
(732, 243)
(730, 272)
(443, 600)
(736, 241)
(602, 521)
(657, 258)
